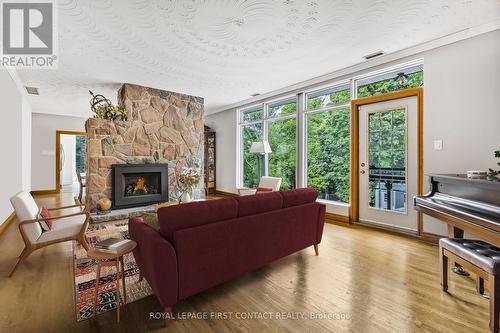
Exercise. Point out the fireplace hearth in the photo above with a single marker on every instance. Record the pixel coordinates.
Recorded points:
(139, 184)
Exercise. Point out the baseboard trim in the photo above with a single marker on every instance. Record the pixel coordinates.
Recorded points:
(7, 222)
(426, 237)
(336, 218)
(43, 192)
(226, 194)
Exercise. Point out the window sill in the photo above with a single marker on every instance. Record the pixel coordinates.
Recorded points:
(336, 207)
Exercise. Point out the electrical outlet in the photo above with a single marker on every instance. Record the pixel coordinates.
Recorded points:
(438, 144)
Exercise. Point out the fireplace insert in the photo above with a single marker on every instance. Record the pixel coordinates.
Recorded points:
(139, 184)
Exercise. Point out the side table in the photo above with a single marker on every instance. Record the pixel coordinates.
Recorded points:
(111, 259)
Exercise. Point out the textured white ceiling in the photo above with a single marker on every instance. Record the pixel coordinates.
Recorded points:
(225, 50)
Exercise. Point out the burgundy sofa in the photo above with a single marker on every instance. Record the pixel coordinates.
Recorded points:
(205, 243)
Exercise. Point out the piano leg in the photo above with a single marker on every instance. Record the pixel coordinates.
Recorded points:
(455, 232)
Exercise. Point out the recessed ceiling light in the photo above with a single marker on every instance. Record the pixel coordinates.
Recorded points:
(32, 90)
(373, 55)
(255, 94)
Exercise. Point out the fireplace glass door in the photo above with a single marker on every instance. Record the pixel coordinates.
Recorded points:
(137, 184)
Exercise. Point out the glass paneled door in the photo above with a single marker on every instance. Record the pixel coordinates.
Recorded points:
(388, 163)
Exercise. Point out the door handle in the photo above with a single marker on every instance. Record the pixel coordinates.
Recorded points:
(362, 172)
(363, 164)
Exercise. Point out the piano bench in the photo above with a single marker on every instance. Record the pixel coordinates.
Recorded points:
(479, 257)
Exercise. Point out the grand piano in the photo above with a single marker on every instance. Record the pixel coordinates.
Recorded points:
(471, 205)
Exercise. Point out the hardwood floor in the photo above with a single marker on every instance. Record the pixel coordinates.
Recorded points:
(382, 282)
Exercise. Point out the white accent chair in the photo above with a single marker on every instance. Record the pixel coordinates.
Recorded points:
(64, 227)
(273, 183)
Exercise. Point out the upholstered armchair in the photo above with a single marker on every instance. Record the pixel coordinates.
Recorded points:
(265, 184)
(71, 226)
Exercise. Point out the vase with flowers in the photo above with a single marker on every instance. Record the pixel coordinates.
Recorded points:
(188, 178)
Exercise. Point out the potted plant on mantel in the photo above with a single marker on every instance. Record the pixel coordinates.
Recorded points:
(188, 178)
(493, 174)
(104, 109)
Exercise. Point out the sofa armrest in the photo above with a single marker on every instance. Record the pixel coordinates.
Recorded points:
(157, 261)
(321, 222)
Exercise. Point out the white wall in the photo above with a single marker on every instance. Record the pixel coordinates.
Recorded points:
(461, 107)
(224, 124)
(12, 143)
(43, 149)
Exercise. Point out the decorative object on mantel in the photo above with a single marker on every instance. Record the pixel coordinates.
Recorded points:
(188, 178)
(493, 174)
(104, 109)
(210, 163)
(103, 206)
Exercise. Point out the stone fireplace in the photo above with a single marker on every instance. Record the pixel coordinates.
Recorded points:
(162, 128)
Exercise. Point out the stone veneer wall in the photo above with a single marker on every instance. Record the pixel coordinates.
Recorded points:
(162, 127)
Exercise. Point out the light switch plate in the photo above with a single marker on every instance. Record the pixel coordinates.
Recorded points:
(438, 144)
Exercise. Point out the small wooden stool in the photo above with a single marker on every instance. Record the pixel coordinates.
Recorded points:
(111, 259)
(479, 257)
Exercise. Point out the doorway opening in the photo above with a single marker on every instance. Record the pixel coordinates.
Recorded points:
(70, 161)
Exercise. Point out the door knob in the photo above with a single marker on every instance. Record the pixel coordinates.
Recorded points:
(362, 172)
(363, 164)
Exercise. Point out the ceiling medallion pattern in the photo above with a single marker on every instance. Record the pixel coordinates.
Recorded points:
(224, 50)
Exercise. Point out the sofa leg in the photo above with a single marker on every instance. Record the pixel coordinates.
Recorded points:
(316, 250)
(168, 316)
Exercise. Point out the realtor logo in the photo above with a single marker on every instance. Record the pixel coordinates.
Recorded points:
(28, 34)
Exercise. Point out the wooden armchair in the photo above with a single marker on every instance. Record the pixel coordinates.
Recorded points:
(64, 227)
(265, 182)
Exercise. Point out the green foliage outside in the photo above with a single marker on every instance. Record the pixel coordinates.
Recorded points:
(283, 144)
(328, 153)
(81, 143)
(414, 80)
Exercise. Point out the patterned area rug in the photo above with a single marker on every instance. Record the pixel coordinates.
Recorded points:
(85, 273)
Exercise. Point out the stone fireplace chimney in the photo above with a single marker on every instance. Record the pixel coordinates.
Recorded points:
(162, 127)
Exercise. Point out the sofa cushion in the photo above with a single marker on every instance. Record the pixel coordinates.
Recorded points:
(256, 204)
(196, 213)
(298, 196)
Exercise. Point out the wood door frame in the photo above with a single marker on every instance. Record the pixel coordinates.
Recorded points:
(58, 152)
(355, 104)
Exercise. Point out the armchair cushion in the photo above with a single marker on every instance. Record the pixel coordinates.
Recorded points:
(63, 228)
(27, 209)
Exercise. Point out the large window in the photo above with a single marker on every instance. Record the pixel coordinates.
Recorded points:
(328, 142)
(324, 159)
(276, 123)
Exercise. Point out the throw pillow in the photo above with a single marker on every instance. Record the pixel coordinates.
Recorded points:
(151, 219)
(263, 190)
(45, 224)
